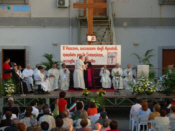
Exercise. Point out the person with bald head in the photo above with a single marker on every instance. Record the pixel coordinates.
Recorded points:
(66, 120)
(117, 74)
(53, 75)
(105, 79)
(40, 79)
(78, 73)
(128, 74)
(27, 75)
(97, 127)
(88, 74)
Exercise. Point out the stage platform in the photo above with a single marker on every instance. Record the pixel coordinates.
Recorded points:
(125, 99)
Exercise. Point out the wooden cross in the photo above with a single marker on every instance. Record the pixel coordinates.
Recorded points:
(90, 5)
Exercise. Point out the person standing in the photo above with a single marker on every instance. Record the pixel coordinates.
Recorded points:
(6, 69)
(78, 73)
(64, 77)
(88, 74)
(61, 103)
(53, 75)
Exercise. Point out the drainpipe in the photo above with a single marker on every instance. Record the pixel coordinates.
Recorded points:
(70, 24)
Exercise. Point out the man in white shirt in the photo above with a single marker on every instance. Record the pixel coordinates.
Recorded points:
(64, 77)
(12, 117)
(41, 80)
(35, 110)
(27, 75)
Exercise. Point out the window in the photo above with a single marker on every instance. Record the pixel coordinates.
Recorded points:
(167, 2)
(14, 1)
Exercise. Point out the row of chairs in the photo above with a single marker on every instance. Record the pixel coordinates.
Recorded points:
(142, 120)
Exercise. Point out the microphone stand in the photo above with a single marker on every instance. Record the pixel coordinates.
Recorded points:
(22, 94)
(18, 89)
(117, 77)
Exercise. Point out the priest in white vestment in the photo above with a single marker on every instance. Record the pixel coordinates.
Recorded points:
(105, 79)
(53, 75)
(36, 69)
(117, 80)
(41, 80)
(128, 74)
(27, 74)
(78, 76)
(19, 72)
(64, 77)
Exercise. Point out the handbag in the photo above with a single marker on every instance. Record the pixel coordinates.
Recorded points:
(56, 110)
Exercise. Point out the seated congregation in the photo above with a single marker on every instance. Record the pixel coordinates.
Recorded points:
(74, 116)
(153, 117)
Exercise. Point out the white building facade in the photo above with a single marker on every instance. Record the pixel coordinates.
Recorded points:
(45, 27)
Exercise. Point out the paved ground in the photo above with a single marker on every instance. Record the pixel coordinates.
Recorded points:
(121, 115)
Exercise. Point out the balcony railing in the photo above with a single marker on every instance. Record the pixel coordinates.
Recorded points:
(14, 1)
(167, 2)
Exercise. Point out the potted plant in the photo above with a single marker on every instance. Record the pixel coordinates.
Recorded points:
(101, 92)
(146, 60)
(85, 92)
(144, 86)
(9, 87)
(169, 82)
(50, 61)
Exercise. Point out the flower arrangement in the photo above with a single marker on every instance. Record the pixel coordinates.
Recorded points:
(101, 92)
(143, 86)
(9, 87)
(85, 92)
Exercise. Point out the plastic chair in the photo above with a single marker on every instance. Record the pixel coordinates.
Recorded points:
(133, 120)
(172, 124)
(142, 121)
(152, 128)
(130, 121)
(162, 127)
(2, 128)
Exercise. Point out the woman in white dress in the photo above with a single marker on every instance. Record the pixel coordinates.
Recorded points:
(105, 79)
